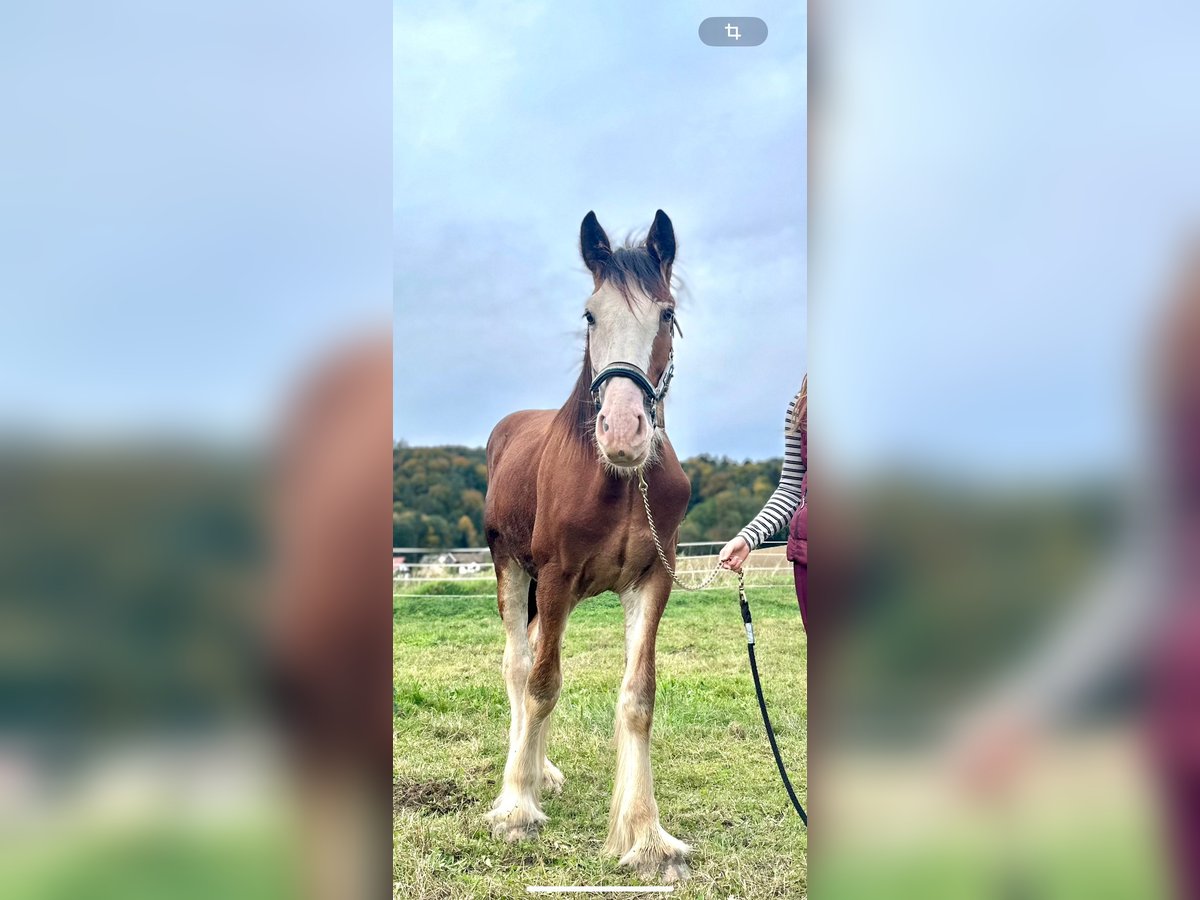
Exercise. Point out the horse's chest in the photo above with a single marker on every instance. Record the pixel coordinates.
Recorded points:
(616, 559)
(598, 523)
(603, 539)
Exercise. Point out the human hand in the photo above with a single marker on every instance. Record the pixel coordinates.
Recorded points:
(734, 554)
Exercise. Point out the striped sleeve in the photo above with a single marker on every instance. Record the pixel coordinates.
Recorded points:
(782, 504)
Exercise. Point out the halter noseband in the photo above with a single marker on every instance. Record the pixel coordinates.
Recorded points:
(653, 396)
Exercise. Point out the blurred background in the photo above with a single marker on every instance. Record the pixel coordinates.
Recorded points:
(1002, 283)
(195, 249)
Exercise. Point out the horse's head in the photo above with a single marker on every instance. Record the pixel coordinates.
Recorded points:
(630, 319)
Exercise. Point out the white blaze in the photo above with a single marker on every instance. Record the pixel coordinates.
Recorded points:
(623, 332)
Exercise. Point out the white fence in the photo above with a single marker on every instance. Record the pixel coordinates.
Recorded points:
(412, 565)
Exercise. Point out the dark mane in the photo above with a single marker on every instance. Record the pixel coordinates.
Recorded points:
(578, 414)
(632, 265)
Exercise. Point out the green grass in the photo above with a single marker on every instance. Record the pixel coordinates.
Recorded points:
(715, 779)
(1111, 859)
(143, 860)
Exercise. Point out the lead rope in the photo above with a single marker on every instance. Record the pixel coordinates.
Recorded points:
(712, 576)
(746, 618)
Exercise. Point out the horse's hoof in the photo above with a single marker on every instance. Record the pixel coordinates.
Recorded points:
(675, 872)
(659, 857)
(552, 778)
(514, 823)
(665, 870)
(512, 833)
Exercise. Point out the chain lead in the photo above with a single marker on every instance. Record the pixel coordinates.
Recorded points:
(712, 576)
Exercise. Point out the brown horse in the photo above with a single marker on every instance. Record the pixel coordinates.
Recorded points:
(565, 521)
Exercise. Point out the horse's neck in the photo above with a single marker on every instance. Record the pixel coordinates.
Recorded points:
(574, 416)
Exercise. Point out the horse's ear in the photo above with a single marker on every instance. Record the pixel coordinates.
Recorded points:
(593, 244)
(661, 242)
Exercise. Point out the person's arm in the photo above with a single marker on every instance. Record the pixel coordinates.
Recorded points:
(780, 506)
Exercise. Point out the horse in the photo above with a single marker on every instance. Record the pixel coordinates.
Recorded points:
(565, 521)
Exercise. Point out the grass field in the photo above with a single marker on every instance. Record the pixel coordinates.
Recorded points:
(714, 776)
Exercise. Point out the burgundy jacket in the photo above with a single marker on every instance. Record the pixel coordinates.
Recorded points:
(797, 545)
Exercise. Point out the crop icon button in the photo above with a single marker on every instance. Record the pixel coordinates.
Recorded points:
(733, 31)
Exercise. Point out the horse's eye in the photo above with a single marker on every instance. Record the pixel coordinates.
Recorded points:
(668, 315)
(591, 320)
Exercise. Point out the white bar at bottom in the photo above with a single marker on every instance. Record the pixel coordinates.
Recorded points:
(544, 889)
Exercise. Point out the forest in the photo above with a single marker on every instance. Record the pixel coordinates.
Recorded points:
(438, 493)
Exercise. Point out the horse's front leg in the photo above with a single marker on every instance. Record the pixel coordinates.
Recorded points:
(634, 832)
(552, 777)
(517, 812)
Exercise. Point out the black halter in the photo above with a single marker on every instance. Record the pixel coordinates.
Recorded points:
(652, 396)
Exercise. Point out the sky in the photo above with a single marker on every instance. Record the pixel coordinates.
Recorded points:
(511, 123)
(196, 207)
(1006, 194)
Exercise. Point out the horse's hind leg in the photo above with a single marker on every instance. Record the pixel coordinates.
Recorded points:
(634, 832)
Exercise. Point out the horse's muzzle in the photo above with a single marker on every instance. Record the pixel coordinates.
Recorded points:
(623, 429)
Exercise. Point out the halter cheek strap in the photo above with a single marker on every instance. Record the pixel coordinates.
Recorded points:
(653, 396)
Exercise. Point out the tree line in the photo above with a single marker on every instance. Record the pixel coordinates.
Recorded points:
(438, 496)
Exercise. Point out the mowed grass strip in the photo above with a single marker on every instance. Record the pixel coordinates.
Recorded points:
(714, 776)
